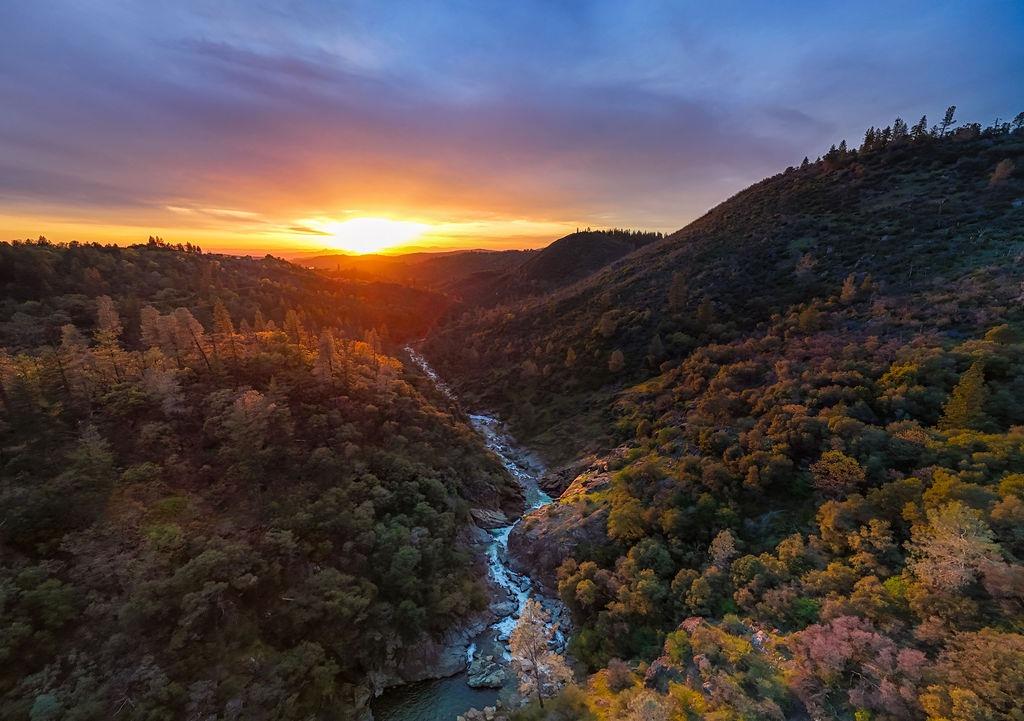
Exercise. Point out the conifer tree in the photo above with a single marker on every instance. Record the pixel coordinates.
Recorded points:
(849, 291)
(899, 129)
(947, 121)
(324, 367)
(677, 291)
(920, 130)
(293, 326)
(965, 408)
(705, 314)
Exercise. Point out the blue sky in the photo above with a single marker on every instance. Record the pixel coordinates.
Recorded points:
(247, 123)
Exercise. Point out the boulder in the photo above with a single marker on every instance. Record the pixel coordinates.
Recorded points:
(661, 673)
(489, 517)
(486, 672)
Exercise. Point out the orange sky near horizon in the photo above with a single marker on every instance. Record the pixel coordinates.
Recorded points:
(234, 230)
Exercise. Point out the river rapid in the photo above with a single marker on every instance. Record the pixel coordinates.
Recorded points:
(444, 699)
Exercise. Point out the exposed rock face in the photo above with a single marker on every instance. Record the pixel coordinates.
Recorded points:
(661, 673)
(431, 658)
(489, 518)
(547, 536)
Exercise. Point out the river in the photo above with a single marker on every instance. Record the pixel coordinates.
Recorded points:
(444, 699)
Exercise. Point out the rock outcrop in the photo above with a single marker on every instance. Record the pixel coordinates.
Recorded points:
(547, 536)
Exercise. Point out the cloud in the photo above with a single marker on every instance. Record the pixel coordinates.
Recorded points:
(252, 114)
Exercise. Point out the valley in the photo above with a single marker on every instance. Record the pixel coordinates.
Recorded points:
(769, 466)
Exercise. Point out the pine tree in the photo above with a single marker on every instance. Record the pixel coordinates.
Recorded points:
(921, 129)
(965, 408)
(324, 366)
(108, 322)
(947, 121)
(293, 326)
(705, 314)
(108, 334)
(869, 140)
(223, 330)
(222, 324)
(150, 326)
(899, 129)
(190, 334)
(655, 350)
(849, 292)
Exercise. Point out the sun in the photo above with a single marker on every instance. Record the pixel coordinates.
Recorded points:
(369, 235)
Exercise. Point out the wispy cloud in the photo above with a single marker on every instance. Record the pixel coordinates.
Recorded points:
(241, 117)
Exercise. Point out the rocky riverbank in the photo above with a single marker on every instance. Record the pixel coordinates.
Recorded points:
(479, 647)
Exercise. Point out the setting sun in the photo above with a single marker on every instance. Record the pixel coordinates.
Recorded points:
(369, 235)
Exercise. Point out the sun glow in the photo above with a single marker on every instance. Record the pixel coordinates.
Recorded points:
(368, 235)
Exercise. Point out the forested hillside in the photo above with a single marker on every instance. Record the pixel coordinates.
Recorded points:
(808, 493)
(44, 286)
(565, 261)
(219, 496)
(898, 216)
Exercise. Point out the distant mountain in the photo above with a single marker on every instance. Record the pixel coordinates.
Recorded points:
(447, 271)
(565, 261)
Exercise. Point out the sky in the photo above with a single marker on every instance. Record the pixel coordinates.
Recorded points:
(249, 126)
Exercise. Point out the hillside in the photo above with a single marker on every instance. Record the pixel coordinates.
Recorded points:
(44, 286)
(220, 497)
(903, 218)
(796, 486)
(562, 263)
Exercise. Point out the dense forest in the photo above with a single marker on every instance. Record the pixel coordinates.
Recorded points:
(808, 492)
(220, 497)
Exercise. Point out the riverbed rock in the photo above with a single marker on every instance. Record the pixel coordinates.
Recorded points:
(504, 607)
(489, 517)
(488, 713)
(486, 672)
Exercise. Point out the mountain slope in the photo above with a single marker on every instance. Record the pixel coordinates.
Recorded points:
(909, 216)
(43, 286)
(806, 497)
(219, 497)
(565, 261)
